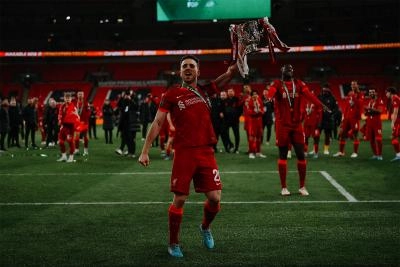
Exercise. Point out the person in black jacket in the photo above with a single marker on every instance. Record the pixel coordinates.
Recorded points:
(50, 121)
(4, 123)
(92, 120)
(268, 118)
(108, 121)
(30, 117)
(148, 111)
(328, 118)
(129, 123)
(15, 115)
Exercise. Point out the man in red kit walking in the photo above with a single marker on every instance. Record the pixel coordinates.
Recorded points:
(67, 118)
(391, 94)
(288, 94)
(373, 132)
(351, 117)
(84, 113)
(254, 113)
(312, 123)
(189, 106)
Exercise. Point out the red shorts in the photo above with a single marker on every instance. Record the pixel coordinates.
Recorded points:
(396, 130)
(286, 135)
(349, 128)
(198, 164)
(66, 132)
(373, 130)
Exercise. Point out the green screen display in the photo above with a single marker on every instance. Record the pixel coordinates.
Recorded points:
(187, 10)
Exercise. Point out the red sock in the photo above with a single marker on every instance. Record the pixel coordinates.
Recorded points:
(62, 145)
(302, 168)
(174, 219)
(71, 146)
(342, 143)
(282, 168)
(210, 211)
(373, 147)
(316, 148)
(396, 145)
(77, 143)
(356, 144)
(379, 147)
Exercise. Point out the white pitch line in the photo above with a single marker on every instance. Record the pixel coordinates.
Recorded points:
(189, 202)
(340, 188)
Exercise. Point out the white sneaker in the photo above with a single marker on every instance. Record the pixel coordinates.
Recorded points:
(396, 158)
(379, 158)
(285, 192)
(311, 153)
(354, 155)
(260, 155)
(70, 159)
(315, 156)
(326, 152)
(303, 191)
(118, 151)
(338, 154)
(76, 152)
(63, 158)
(252, 156)
(85, 154)
(289, 154)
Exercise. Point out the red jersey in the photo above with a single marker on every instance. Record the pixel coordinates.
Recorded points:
(313, 115)
(190, 114)
(67, 114)
(396, 104)
(254, 108)
(352, 106)
(374, 104)
(289, 97)
(83, 111)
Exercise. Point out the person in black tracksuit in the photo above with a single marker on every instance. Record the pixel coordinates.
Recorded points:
(108, 121)
(4, 123)
(50, 121)
(268, 118)
(129, 123)
(30, 117)
(232, 110)
(15, 115)
(148, 111)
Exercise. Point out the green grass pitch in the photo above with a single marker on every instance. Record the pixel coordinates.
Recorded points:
(107, 210)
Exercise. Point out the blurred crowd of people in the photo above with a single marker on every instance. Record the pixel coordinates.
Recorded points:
(132, 115)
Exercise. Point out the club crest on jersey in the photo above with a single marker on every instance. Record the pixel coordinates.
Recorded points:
(181, 105)
(284, 95)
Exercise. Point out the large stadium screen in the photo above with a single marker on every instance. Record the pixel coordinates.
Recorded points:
(190, 10)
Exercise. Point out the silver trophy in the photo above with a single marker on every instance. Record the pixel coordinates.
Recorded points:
(247, 37)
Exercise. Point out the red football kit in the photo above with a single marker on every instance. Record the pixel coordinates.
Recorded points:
(82, 127)
(254, 113)
(194, 138)
(288, 97)
(396, 124)
(312, 120)
(373, 130)
(67, 118)
(351, 121)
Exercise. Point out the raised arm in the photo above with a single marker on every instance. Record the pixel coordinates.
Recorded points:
(226, 77)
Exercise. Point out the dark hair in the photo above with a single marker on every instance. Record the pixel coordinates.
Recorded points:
(191, 57)
(391, 90)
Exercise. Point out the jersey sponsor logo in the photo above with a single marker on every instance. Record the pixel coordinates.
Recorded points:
(181, 105)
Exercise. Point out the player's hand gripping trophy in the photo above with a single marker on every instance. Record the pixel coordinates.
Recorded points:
(246, 38)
